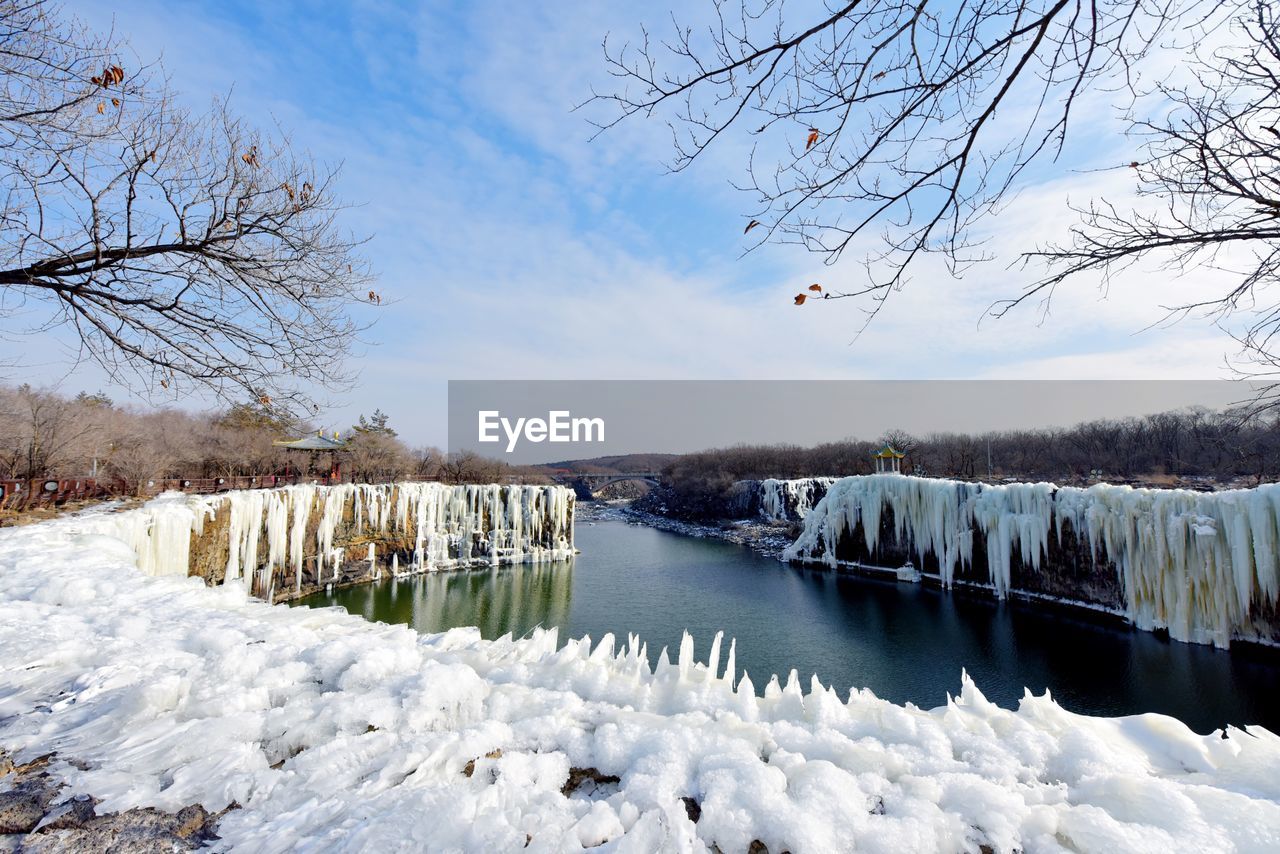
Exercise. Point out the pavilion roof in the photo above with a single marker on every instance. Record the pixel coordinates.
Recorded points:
(318, 442)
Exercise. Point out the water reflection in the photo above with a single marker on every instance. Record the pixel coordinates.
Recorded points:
(498, 600)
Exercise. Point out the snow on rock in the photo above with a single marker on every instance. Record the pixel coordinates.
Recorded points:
(271, 530)
(1192, 562)
(336, 734)
(791, 500)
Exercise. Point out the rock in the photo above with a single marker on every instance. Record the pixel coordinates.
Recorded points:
(190, 820)
(470, 767)
(68, 815)
(693, 809)
(20, 810)
(578, 777)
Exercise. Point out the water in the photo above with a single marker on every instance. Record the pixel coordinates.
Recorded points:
(905, 642)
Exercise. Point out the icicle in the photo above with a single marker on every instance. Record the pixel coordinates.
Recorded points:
(713, 660)
(791, 500)
(685, 660)
(1194, 563)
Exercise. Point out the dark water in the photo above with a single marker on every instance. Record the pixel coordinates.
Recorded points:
(905, 642)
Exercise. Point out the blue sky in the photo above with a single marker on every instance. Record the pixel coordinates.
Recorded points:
(511, 246)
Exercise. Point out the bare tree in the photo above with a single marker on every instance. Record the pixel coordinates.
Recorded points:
(890, 127)
(182, 250)
(1212, 164)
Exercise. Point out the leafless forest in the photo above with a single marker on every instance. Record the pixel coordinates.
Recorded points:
(1194, 448)
(45, 434)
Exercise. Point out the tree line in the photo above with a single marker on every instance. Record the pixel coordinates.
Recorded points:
(47, 434)
(1195, 447)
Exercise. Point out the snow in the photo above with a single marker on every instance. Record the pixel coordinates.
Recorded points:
(1194, 563)
(335, 734)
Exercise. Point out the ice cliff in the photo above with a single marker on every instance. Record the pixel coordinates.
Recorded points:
(1202, 565)
(791, 500)
(263, 538)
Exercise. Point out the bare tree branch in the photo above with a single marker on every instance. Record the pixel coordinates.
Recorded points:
(917, 118)
(182, 250)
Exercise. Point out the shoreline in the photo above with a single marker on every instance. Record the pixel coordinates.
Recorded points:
(767, 539)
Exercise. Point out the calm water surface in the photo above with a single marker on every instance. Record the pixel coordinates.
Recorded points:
(905, 642)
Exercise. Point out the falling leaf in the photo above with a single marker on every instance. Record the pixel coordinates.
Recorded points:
(812, 140)
(102, 108)
(800, 298)
(751, 225)
(115, 102)
(117, 73)
(817, 288)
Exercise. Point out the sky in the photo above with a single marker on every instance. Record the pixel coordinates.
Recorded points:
(510, 245)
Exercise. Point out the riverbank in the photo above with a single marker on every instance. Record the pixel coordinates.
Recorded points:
(334, 732)
(768, 539)
(771, 539)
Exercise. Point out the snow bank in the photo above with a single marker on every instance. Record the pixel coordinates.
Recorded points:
(278, 529)
(335, 734)
(1192, 562)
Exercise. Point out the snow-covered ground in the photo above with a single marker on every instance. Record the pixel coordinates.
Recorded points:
(337, 734)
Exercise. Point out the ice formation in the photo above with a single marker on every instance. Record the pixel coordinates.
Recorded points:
(791, 500)
(1195, 563)
(268, 530)
(336, 734)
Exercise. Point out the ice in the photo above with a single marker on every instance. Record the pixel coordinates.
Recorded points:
(337, 734)
(268, 529)
(791, 500)
(1194, 563)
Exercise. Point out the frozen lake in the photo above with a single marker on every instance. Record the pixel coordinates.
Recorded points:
(904, 642)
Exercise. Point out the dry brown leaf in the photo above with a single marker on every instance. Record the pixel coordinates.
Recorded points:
(800, 298)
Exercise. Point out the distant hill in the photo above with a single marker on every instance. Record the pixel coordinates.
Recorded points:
(620, 463)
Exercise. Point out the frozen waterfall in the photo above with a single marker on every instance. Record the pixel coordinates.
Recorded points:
(274, 533)
(1202, 565)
